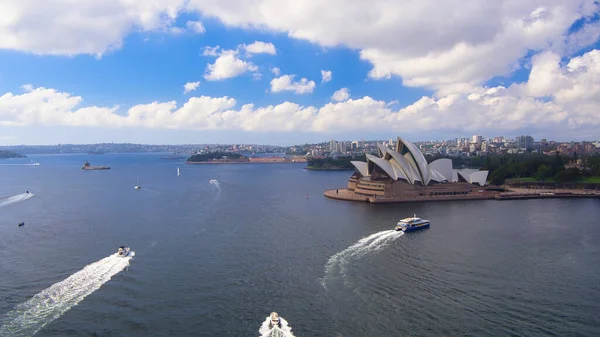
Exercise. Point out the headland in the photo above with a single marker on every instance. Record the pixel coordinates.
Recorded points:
(236, 158)
(403, 175)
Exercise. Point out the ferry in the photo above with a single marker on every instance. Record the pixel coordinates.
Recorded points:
(412, 224)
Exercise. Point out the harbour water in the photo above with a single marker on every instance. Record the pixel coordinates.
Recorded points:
(214, 259)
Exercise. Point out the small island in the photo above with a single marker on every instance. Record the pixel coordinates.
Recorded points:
(9, 154)
(217, 158)
(333, 164)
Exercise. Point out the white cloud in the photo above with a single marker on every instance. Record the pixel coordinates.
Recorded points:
(228, 65)
(568, 107)
(64, 27)
(195, 27)
(341, 95)
(259, 47)
(458, 43)
(190, 86)
(286, 83)
(276, 71)
(210, 51)
(325, 76)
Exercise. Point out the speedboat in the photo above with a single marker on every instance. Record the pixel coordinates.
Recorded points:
(412, 224)
(123, 251)
(275, 322)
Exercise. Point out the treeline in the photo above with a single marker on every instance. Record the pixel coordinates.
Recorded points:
(10, 154)
(528, 165)
(337, 163)
(202, 157)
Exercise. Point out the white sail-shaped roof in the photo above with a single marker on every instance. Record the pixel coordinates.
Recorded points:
(443, 166)
(413, 167)
(417, 156)
(478, 177)
(384, 165)
(362, 167)
(411, 173)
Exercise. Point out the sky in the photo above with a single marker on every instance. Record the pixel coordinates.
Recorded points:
(285, 72)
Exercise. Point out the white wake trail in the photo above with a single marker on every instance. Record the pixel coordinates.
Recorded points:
(15, 199)
(337, 264)
(284, 331)
(31, 316)
(216, 183)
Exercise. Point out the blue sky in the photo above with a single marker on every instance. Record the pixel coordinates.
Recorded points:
(399, 82)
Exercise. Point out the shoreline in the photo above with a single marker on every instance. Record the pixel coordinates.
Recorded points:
(346, 195)
(327, 169)
(244, 162)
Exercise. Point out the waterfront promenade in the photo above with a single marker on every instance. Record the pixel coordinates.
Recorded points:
(510, 194)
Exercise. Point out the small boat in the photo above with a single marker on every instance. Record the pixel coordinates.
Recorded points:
(88, 167)
(21, 224)
(275, 322)
(123, 251)
(178, 173)
(137, 185)
(412, 224)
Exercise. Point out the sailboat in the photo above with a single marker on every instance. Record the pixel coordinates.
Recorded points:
(178, 173)
(137, 185)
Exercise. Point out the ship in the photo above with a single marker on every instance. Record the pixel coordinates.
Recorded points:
(412, 224)
(87, 166)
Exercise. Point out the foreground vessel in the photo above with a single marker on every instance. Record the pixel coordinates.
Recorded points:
(412, 224)
(275, 326)
(123, 251)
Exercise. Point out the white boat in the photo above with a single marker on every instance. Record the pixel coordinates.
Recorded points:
(137, 185)
(275, 322)
(178, 173)
(33, 163)
(412, 224)
(275, 326)
(123, 251)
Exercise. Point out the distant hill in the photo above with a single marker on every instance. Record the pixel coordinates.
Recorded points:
(9, 154)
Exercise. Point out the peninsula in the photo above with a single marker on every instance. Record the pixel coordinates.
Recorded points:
(237, 158)
(403, 174)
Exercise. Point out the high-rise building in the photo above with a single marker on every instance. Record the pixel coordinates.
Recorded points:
(332, 145)
(477, 139)
(524, 142)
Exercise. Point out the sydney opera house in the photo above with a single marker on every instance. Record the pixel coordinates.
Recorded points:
(403, 174)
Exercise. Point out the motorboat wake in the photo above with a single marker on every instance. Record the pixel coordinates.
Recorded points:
(275, 326)
(15, 199)
(29, 317)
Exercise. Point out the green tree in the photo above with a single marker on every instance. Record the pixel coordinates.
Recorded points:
(543, 172)
(499, 176)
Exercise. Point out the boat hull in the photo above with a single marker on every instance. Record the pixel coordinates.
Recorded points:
(415, 228)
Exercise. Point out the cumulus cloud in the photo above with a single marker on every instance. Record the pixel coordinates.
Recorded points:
(570, 104)
(325, 76)
(259, 47)
(456, 43)
(341, 95)
(276, 71)
(63, 27)
(190, 86)
(195, 27)
(210, 51)
(228, 65)
(286, 83)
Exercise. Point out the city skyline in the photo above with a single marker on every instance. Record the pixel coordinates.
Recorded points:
(192, 72)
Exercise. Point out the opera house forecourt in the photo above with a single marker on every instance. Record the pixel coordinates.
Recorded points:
(403, 175)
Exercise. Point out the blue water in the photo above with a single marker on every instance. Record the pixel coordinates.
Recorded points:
(216, 260)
